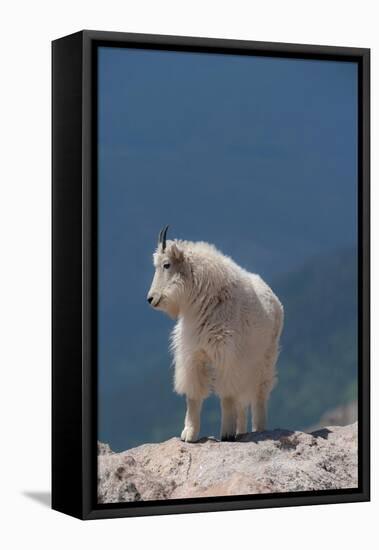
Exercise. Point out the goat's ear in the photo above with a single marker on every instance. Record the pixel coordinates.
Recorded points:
(176, 253)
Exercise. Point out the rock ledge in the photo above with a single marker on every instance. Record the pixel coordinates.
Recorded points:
(267, 462)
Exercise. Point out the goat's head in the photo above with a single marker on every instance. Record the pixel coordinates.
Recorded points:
(167, 288)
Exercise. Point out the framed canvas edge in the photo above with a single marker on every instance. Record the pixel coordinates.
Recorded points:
(88, 457)
(67, 364)
(192, 42)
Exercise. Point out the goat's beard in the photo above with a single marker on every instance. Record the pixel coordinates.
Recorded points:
(171, 309)
(170, 303)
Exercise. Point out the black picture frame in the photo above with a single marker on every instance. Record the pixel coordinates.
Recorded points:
(74, 273)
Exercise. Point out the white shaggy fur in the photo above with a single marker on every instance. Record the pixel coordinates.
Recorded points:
(227, 335)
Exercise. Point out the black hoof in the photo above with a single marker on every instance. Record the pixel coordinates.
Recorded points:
(228, 438)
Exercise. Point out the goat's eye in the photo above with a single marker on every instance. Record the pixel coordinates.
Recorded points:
(166, 266)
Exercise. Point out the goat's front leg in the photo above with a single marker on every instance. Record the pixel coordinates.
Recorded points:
(241, 426)
(228, 419)
(191, 429)
(191, 380)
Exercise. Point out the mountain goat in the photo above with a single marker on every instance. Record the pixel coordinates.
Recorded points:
(227, 335)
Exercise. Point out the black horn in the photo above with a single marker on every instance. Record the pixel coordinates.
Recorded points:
(162, 237)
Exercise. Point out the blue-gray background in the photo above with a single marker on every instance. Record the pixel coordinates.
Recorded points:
(258, 156)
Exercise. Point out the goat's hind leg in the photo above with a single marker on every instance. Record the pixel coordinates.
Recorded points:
(259, 404)
(259, 412)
